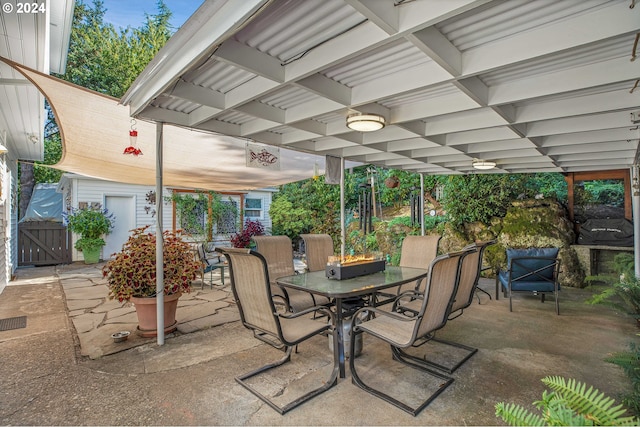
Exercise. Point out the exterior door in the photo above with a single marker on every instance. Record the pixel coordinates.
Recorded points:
(123, 208)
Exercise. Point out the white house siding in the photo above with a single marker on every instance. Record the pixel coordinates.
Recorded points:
(8, 218)
(266, 196)
(11, 210)
(5, 224)
(11, 207)
(77, 189)
(89, 190)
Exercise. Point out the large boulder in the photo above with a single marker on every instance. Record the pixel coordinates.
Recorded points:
(539, 224)
(527, 224)
(452, 239)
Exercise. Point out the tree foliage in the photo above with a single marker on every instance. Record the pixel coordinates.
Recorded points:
(602, 192)
(409, 183)
(107, 60)
(479, 197)
(311, 206)
(287, 219)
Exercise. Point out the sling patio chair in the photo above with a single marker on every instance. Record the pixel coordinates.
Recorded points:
(468, 279)
(252, 291)
(278, 253)
(416, 252)
(533, 270)
(402, 331)
(318, 248)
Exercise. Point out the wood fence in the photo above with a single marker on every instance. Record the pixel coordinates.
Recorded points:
(43, 243)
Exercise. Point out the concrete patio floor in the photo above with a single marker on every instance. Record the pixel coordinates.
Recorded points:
(63, 369)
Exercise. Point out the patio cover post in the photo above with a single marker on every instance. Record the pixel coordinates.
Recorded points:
(422, 204)
(635, 201)
(159, 241)
(343, 230)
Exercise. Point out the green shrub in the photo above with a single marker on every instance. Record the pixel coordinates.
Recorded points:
(400, 220)
(288, 220)
(479, 197)
(91, 225)
(395, 258)
(623, 290)
(432, 222)
(371, 242)
(606, 192)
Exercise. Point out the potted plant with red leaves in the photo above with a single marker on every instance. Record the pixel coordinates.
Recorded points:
(131, 276)
(243, 238)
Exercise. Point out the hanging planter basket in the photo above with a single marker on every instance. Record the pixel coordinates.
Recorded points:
(392, 182)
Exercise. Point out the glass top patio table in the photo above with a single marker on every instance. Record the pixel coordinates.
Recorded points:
(317, 283)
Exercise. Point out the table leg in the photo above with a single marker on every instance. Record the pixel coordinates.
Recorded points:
(339, 351)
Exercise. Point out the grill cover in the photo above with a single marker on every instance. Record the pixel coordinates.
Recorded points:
(609, 232)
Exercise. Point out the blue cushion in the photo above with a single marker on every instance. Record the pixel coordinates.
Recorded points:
(525, 266)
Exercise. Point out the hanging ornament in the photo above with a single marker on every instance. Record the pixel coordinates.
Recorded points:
(133, 139)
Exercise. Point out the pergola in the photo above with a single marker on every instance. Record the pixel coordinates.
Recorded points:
(517, 86)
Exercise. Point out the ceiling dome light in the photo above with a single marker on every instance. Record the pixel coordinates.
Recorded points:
(483, 165)
(365, 122)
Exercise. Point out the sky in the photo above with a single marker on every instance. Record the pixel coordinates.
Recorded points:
(123, 13)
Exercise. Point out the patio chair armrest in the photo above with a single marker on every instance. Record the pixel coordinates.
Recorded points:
(281, 301)
(411, 295)
(369, 310)
(307, 311)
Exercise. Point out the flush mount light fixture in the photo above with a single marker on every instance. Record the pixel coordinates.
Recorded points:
(365, 122)
(483, 165)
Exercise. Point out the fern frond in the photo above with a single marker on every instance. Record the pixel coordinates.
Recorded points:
(516, 415)
(559, 414)
(629, 361)
(547, 399)
(591, 403)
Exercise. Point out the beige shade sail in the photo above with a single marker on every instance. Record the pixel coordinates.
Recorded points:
(95, 131)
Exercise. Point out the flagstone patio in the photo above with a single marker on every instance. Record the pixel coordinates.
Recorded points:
(95, 317)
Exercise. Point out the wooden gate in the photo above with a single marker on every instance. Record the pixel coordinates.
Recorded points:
(43, 243)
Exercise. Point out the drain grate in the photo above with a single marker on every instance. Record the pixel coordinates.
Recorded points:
(13, 323)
